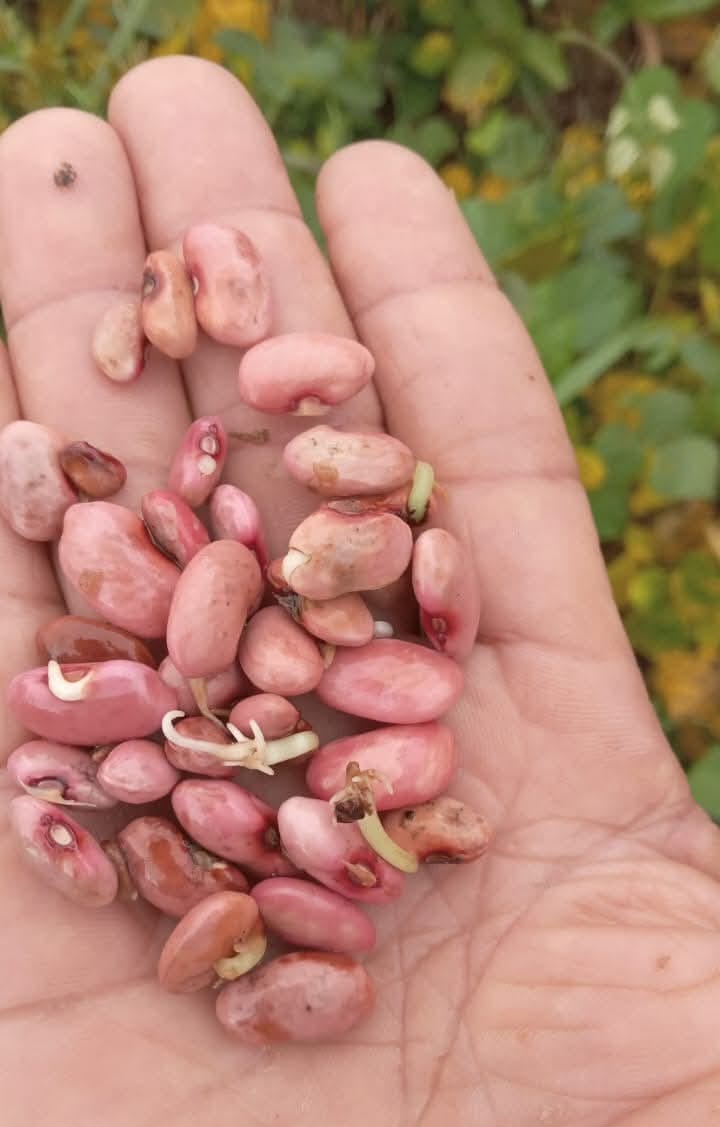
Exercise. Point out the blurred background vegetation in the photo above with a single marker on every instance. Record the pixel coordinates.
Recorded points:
(582, 138)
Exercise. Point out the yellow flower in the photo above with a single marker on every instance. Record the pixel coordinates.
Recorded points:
(673, 247)
(252, 16)
(637, 188)
(639, 544)
(689, 686)
(581, 182)
(492, 187)
(458, 177)
(578, 143)
(580, 160)
(591, 467)
(431, 55)
(644, 500)
(611, 397)
(646, 588)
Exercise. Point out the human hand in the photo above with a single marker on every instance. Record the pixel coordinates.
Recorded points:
(569, 977)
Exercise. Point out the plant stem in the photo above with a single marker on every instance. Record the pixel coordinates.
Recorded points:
(74, 13)
(575, 38)
(119, 42)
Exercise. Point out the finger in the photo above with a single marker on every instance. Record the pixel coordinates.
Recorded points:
(66, 254)
(201, 151)
(461, 383)
(28, 595)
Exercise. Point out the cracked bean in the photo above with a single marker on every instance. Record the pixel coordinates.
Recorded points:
(173, 526)
(443, 831)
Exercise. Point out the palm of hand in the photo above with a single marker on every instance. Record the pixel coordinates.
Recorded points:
(567, 978)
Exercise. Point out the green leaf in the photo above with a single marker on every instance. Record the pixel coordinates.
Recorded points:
(622, 455)
(584, 372)
(440, 13)
(478, 79)
(686, 469)
(702, 356)
(434, 138)
(544, 55)
(710, 241)
(520, 151)
(704, 779)
(610, 19)
(710, 62)
(493, 225)
(605, 216)
(487, 137)
(664, 414)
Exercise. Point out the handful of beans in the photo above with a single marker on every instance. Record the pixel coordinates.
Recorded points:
(180, 681)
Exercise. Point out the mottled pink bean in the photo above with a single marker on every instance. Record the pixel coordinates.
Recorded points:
(342, 621)
(307, 915)
(391, 681)
(234, 516)
(118, 343)
(137, 771)
(232, 822)
(303, 373)
(222, 688)
(106, 554)
(209, 608)
(116, 700)
(332, 554)
(336, 463)
(58, 773)
(216, 928)
(445, 586)
(62, 853)
(171, 872)
(278, 656)
(167, 310)
(173, 525)
(275, 716)
(199, 762)
(336, 854)
(417, 760)
(76, 638)
(93, 472)
(198, 464)
(443, 831)
(34, 492)
(232, 291)
(305, 996)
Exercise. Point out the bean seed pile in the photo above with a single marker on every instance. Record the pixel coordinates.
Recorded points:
(179, 682)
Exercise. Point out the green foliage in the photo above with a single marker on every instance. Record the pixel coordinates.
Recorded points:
(599, 212)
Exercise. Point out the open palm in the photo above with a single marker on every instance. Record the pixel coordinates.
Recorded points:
(573, 975)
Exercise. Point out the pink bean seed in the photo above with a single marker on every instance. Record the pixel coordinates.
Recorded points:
(232, 294)
(234, 516)
(199, 762)
(126, 889)
(417, 760)
(91, 471)
(396, 503)
(336, 463)
(137, 771)
(275, 716)
(308, 915)
(171, 872)
(198, 464)
(173, 526)
(305, 996)
(76, 638)
(222, 689)
(332, 554)
(336, 854)
(445, 586)
(58, 773)
(278, 656)
(342, 621)
(232, 822)
(118, 343)
(303, 373)
(34, 492)
(442, 831)
(210, 606)
(167, 309)
(119, 700)
(107, 555)
(210, 931)
(62, 853)
(391, 681)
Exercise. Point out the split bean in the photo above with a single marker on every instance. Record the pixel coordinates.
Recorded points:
(58, 773)
(303, 373)
(167, 310)
(171, 872)
(209, 608)
(336, 463)
(232, 290)
(62, 853)
(392, 681)
(307, 915)
(106, 554)
(305, 996)
(34, 492)
(332, 554)
(173, 526)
